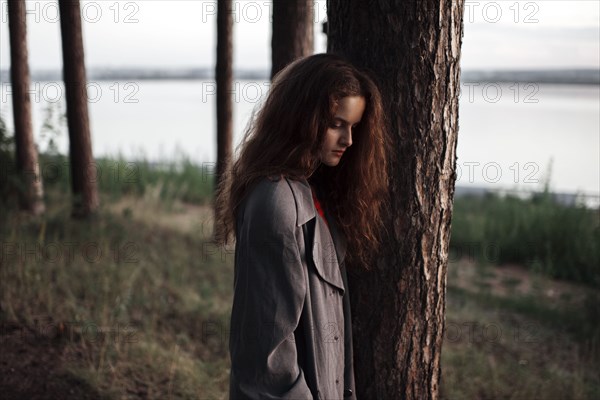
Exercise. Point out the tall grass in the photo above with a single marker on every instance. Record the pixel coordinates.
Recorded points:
(562, 241)
(182, 180)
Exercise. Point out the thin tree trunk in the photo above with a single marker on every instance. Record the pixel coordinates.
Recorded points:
(293, 35)
(31, 193)
(224, 78)
(413, 49)
(83, 167)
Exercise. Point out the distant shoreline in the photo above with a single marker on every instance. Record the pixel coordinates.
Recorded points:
(587, 76)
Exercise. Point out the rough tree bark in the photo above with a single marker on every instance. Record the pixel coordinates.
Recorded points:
(413, 49)
(293, 35)
(31, 193)
(224, 78)
(83, 168)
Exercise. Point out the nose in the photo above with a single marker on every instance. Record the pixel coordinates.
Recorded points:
(347, 137)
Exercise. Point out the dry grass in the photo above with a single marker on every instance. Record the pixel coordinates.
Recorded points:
(138, 309)
(511, 334)
(152, 322)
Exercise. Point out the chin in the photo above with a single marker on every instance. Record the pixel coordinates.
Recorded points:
(331, 163)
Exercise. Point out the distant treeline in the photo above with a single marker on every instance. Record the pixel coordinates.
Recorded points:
(566, 76)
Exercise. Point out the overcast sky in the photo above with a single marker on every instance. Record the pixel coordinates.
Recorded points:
(168, 33)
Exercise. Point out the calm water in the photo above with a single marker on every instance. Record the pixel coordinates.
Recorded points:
(508, 133)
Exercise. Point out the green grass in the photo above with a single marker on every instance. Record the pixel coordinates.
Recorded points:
(182, 180)
(518, 348)
(139, 309)
(149, 317)
(561, 241)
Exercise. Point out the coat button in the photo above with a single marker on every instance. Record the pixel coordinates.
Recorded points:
(347, 392)
(337, 381)
(336, 338)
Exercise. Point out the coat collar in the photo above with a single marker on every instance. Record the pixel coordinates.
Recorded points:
(307, 211)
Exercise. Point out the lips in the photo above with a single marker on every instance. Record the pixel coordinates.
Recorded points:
(339, 152)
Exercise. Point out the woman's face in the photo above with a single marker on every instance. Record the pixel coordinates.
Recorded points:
(338, 136)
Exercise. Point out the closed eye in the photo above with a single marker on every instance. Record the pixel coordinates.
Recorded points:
(338, 123)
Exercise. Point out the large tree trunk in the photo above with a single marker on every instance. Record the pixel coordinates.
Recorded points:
(31, 193)
(83, 168)
(293, 35)
(224, 77)
(413, 49)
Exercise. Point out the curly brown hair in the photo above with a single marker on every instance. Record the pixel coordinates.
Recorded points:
(285, 138)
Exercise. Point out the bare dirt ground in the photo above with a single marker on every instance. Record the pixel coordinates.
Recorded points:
(515, 280)
(31, 367)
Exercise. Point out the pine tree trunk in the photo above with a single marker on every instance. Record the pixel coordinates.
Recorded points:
(413, 49)
(293, 35)
(83, 167)
(224, 78)
(31, 193)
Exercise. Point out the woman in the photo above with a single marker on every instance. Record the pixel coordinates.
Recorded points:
(303, 198)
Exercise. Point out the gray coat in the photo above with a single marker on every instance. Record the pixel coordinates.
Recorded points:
(290, 333)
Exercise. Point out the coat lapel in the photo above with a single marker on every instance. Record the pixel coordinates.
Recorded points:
(338, 238)
(328, 245)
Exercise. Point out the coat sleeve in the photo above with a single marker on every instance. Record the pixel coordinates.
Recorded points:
(269, 293)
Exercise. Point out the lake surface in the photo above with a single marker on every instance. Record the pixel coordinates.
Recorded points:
(508, 132)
